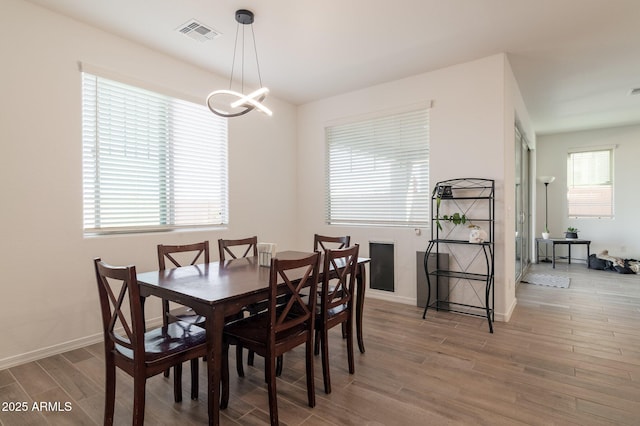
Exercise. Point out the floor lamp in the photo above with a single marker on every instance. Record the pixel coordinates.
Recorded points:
(546, 180)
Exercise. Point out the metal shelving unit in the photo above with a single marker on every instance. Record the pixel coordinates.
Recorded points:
(471, 265)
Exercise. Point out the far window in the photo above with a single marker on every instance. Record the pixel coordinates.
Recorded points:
(150, 161)
(378, 171)
(590, 183)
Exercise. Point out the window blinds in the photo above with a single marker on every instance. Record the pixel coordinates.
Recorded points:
(590, 183)
(150, 161)
(377, 171)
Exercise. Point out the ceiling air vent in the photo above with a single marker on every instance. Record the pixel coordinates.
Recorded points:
(635, 91)
(197, 31)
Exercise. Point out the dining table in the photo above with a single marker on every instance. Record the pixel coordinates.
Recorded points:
(218, 290)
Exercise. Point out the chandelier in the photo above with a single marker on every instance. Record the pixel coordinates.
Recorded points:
(230, 103)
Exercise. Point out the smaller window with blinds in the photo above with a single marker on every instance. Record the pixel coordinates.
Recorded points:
(590, 183)
(377, 171)
(150, 161)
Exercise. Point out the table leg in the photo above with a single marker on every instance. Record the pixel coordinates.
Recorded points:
(588, 254)
(537, 251)
(569, 253)
(554, 256)
(214, 326)
(361, 284)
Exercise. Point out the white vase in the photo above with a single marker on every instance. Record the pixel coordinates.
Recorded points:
(477, 235)
(545, 235)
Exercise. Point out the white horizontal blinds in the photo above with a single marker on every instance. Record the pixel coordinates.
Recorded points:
(150, 161)
(377, 171)
(590, 183)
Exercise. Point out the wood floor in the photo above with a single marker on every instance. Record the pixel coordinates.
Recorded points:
(568, 356)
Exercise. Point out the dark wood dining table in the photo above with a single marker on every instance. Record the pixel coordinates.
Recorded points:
(217, 290)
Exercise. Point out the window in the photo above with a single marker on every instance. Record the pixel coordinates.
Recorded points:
(377, 171)
(590, 183)
(150, 161)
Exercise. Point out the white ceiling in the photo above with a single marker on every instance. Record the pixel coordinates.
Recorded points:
(575, 60)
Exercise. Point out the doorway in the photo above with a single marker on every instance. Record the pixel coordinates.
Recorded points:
(522, 207)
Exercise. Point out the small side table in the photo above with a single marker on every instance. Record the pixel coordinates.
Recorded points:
(563, 241)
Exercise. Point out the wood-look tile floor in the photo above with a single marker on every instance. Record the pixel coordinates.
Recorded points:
(568, 356)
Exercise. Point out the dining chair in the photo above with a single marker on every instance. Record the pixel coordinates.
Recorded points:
(128, 346)
(250, 247)
(323, 242)
(279, 329)
(336, 305)
(176, 256)
(196, 251)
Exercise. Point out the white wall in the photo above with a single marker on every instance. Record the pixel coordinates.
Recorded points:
(621, 235)
(49, 297)
(514, 111)
(468, 129)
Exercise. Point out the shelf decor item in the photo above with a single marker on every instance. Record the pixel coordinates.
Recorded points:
(444, 191)
(477, 235)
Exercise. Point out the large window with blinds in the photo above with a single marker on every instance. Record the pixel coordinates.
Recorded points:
(590, 183)
(150, 161)
(377, 171)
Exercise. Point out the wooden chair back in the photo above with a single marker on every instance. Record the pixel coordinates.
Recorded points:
(168, 252)
(249, 245)
(339, 277)
(297, 310)
(323, 242)
(120, 306)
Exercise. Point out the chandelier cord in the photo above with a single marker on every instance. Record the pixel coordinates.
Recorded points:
(233, 60)
(255, 50)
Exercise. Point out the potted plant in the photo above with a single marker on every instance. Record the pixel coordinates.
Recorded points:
(456, 219)
(571, 233)
(545, 233)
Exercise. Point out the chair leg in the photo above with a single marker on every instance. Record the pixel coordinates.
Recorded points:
(270, 372)
(311, 389)
(250, 358)
(349, 330)
(224, 376)
(279, 361)
(194, 379)
(177, 383)
(239, 366)
(139, 385)
(316, 346)
(110, 392)
(324, 343)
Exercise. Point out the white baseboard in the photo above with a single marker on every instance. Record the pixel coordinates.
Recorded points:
(37, 354)
(385, 295)
(505, 317)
